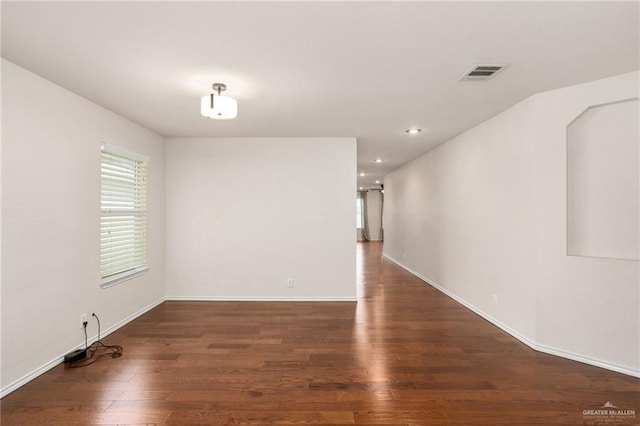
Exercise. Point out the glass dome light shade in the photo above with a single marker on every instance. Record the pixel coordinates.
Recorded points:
(218, 107)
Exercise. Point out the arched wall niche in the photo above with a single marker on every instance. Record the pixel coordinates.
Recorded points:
(603, 181)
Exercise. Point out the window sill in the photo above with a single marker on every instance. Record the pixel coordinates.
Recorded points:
(122, 277)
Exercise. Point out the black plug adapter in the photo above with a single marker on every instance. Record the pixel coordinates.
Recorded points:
(74, 356)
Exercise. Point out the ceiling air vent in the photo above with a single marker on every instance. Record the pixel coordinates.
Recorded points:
(482, 72)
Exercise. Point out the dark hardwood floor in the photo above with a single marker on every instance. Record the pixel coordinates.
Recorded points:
(405, 354)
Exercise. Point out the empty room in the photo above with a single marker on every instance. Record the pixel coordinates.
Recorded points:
(376, 213)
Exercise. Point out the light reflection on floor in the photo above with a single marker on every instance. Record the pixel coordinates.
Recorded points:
(369, 316)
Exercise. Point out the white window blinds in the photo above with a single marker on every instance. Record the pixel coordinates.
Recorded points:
(123, 228)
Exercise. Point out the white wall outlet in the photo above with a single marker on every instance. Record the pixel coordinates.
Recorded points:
(494, 300)
(290, 283)
(83, 319)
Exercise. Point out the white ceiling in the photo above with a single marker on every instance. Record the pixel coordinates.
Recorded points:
(364, 69)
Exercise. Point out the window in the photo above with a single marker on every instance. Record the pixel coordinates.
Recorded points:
(123, 225)
(359, 213)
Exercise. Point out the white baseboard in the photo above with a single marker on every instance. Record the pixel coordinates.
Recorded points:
(524, 339)
(59, 359)
(259, 299)
(588, 360)
(35, 373)
(541, 348)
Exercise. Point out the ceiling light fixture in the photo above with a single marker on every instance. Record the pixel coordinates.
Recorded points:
(378, 160)
(413, 131)
(377, 181)
(362, 174)
(217, 106)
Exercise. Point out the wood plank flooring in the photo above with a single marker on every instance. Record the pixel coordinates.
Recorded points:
(405, 354)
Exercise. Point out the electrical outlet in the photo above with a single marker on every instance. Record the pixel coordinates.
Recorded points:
(83, 319)
(494, 300)
(290, 283)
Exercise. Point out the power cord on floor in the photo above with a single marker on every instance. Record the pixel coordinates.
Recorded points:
(97, 349)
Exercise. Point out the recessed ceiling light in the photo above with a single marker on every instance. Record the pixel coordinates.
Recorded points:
(360, 188)
(413, 131)
(362, 174)
(377, 181)
(378, 160)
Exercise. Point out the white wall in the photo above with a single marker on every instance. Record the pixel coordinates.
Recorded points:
(245, 215)
(51, 222)
(485, 214)
(585, 306)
